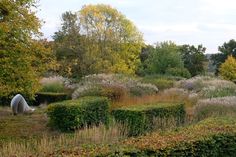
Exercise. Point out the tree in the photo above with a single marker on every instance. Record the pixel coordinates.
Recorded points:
(228, 69)
(165, 59)
(22, 58)
(228, 48)
(68, 47)
(194, 58)
(113, 43)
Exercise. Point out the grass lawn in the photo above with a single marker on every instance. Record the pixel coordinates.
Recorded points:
(23, 126)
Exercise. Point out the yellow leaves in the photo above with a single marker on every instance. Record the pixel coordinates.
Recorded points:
(228, 68)
(117, 41)
(23, 58)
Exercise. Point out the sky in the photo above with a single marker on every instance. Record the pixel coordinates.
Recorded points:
(206, 22)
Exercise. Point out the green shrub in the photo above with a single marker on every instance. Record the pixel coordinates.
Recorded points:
(183, 72)
(47, 97)
(73, 114)
(53, 87)
(160, 83)
(114, 93)
(140, 119)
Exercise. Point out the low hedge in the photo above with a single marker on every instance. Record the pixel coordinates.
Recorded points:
(141, 119)
(48, 97)
(73, 114)
(211, 137)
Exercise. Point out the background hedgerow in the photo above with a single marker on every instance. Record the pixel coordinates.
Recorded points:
(72, 114)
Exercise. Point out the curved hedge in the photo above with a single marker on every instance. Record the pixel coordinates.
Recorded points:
(140, 119)
(211, 137)
(73, 114)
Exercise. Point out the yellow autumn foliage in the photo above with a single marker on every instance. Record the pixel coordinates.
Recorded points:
(228, 69)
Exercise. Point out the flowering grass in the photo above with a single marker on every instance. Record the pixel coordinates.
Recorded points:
(95, 84)
(208, 87)
(215, 107)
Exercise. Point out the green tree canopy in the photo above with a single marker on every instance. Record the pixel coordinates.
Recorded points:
(228, 48)
(113, 43)
(97, 39)
(68, 47)
(194, 58)
(164, 59)
(22, 57)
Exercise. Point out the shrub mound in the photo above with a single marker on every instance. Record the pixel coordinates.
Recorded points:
(141, 119)
(73, 114)
(113, 86)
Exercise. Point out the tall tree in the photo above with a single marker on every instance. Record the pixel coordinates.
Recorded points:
(22, 58)
(113, 43)
(164, 59)
(194, 58)
(228, 48)
(68, 47)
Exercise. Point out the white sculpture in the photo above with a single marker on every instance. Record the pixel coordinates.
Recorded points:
(19, 105)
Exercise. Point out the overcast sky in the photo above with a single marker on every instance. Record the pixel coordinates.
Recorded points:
(206, 22)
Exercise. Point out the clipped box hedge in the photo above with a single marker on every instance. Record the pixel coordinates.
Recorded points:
(213, 137)
(74, 114)
(140, 119)
(49, 97)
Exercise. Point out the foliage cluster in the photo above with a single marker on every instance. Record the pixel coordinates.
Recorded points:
(228, 69)
(55, 87)
(194, 59)
(227, 49)
(160, 83)
(72, 114)
(163, 57)
(97, 39)
(140, 118)
(23, 57)
(171, 59)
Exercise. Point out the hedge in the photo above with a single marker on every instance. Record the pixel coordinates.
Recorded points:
(74, 114)
(141, 119)
(48, 97)
(211, 137)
